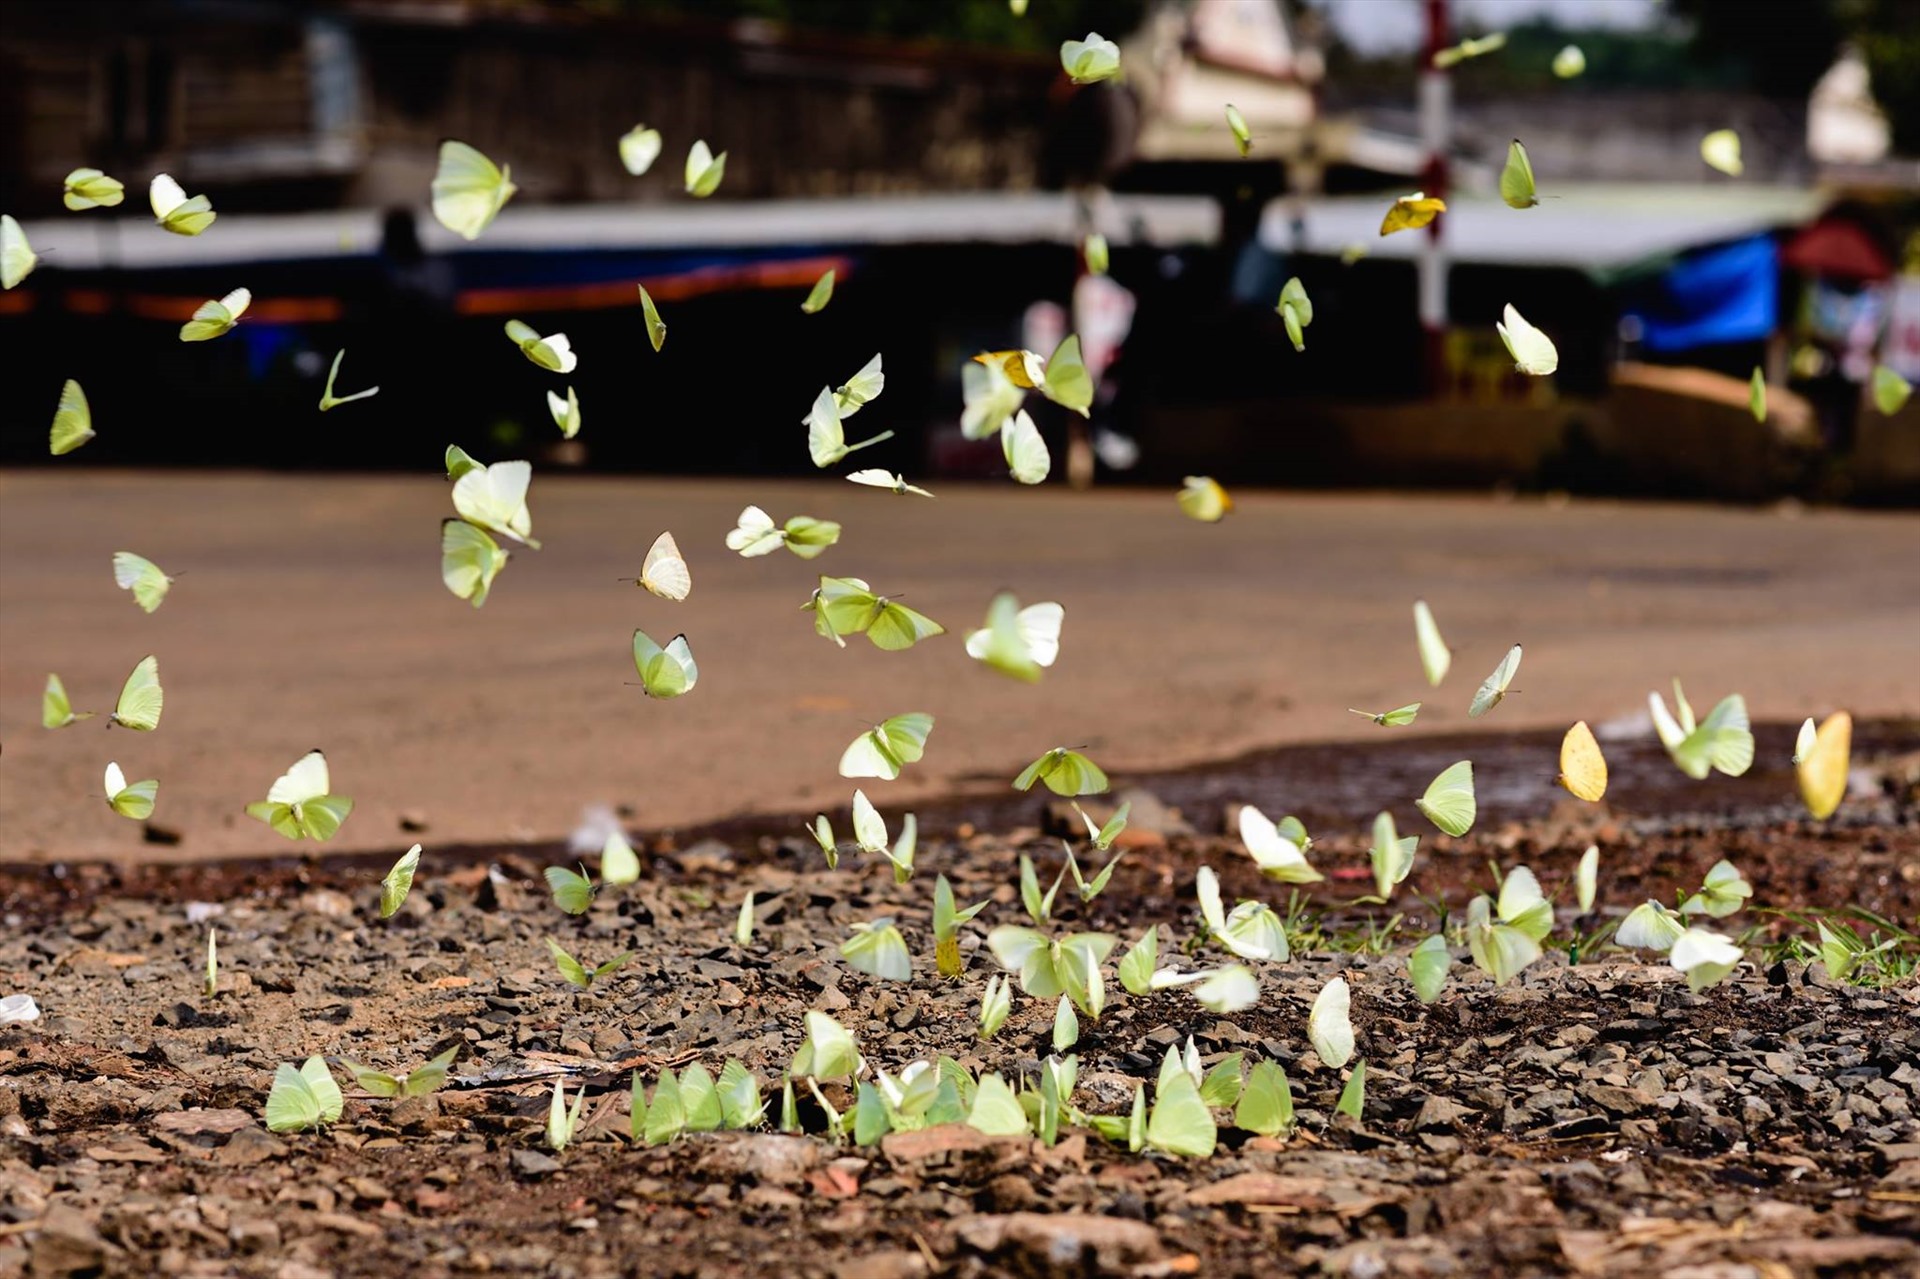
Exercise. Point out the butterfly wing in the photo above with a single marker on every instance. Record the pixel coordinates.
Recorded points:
(656, 327)
(819, 295)
(1822, 773)
(869, 756)
(291, 1103)
(72, 420)
(17, 257)
(1516, 180)
(1493, 690)
(1449, 801)
(665, 571)
(469, 560)
(141, 576)
(468, 190)
(1067, 381)
(898, 627)
(398, 882)
(141, 698)
(1583, 769)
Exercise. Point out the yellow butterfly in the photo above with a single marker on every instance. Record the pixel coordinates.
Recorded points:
(1583, 769)
(1822, 769)
(1411, 212)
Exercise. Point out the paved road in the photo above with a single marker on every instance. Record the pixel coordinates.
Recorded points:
(309, 612)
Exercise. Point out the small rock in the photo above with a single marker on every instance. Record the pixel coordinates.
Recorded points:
(894, 1264)
(66, 1242)
(534, 1163)
(1070, 1241)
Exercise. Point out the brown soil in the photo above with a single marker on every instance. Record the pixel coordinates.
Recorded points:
(1589, 1119)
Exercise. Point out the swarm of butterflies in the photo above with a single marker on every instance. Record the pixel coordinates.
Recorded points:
(491, 521)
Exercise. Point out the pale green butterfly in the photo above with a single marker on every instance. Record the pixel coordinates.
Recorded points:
(1723, 892)
(826, 438)
(1723, 741)
(1705, 957)
(1103, 836)
(1067, 382)
(1721, 150)
(1066, 1025)
(656, 327)
(1569, 62)
(901, 854)
(397, 883)
(1428, 965)
(664, 572)
(1757, 395)
(141, 697)
(1237, 125)
(666, 1118)
(880, 479)
(578, 973)
(1202, 498)
(1473, 48)
(861, 389)
(1252, 931)
(1180, 1123)
(639, 148)
(572, 890)
(141, 576)
(174, 211)
(1353, 1095)
(1266, 1103)
(459, 462)
(1533, 352)
(562, 1121)
(469, 560)
(1018, 641)
(1330, 1023)
(17, 257)
(883, 750)
(1493, 689)
(216, 316)
(495, 498)
(90, 188)
(1890, 390)
(1499, 949)
(1392, 856)
(1649, 926)
(1026, 452)
(129, 800)
(819, 295)
(996, 1002)
(1449, 802)
(303, 1097)
(740, 1096)
(1435, 656)
(1516, 179)
(756, 534)
(416, 1083)
(1276, 854)
(298, 804)
(72, 420)
(743, 922)
(704, 170)
(1090, 60)
(1089, 888)
(1522, 905)
(878, 950)
(850, 608)
(566, 413)
(990, 397)
(1042, 962)
(1137, 965)
(996, 1111)
(822, 832)
(1296, 312)
(330, 401)
(1586, 878)
(1228, 990)
(1096, 253)
(700, 1099)
(1065, 772)
(619, 864)
(56, 711)
(553, 352)
(828, 1052)
(1393, 718)
(869, 828)
(468, 189)
(664, 672)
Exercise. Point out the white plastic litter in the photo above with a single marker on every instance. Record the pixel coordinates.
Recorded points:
(18, 1008)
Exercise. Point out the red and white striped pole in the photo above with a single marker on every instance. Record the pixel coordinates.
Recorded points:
(1436, 128)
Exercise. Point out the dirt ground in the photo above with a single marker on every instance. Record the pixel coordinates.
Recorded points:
(309, 613)
(1591, 1119)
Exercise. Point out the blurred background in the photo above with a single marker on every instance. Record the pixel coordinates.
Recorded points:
(936, 157)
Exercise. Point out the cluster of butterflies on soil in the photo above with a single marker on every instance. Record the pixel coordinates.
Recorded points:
(1503, 932)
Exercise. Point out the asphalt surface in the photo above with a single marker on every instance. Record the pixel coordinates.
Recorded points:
(309, 612)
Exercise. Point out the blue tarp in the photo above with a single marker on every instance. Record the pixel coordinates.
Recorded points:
(1729, 293)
